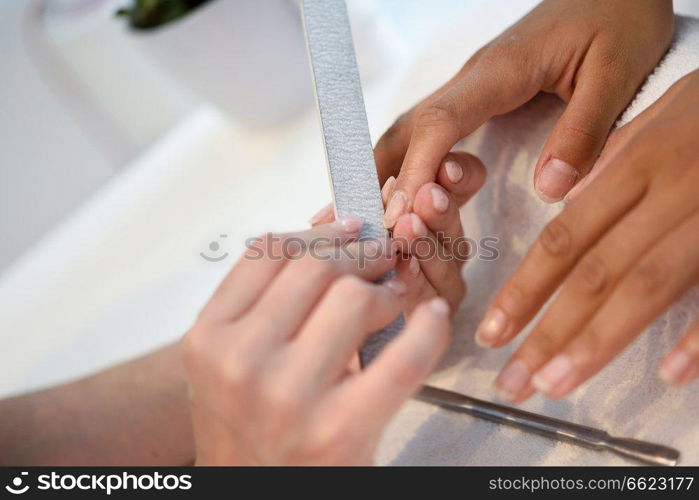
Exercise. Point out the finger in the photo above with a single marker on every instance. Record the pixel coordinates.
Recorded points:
(391, 147)
(398, 372)
(299, 286)
(441, 215)
(411, 236)
(590, 284)
(579, 135)
(656, 281)
(264, 259)
(492, 86)
(559, 246)
(323, 216)
(419, 289)
(681, 365)
(615, 145)
(462, 175)
(349, 311)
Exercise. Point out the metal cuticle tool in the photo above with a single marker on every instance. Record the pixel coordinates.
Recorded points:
(560, 430)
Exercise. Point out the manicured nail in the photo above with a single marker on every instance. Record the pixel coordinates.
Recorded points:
(349, 223)
(491, 328)
(675, 366)
(397, 286)
(387, 188)
(553, 373)
(322, 214)
(419, 228)
(395, 208)
(413, 266)
(440, 306)
(512, 380)
(555, 180)
(440, 200)
(454, 171)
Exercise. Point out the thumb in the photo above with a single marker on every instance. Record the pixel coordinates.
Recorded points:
(490, 86)
(579, 136)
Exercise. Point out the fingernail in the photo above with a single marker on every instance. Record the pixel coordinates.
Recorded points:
(512, 380)
(419, 228)
(349, 223)
(440, 201)
(454, 171)
(387, 188)
(395, 208)
(555, 180)
(413, 266)
(553, 373)
(439, 306)
(491, 328)
(675, 366)
(397, 286)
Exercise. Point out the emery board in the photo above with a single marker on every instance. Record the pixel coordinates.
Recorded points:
(345, 131)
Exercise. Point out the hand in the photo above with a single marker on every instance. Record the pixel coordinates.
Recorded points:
(624, 249)
(430, 238)
(593, 54)
(268, 356)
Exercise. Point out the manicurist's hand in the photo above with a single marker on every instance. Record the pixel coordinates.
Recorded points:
(623, 250)
(593, 54)
(430, 237)
(269, 358)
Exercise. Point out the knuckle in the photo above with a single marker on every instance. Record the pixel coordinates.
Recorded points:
(591, 276)
(647, 279)
(555, 239)
(237, 372)
(280, 400)
(353, 292)
(440, 114)
(328, 438)
(581, 133)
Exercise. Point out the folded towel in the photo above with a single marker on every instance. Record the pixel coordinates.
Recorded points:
(626, 398)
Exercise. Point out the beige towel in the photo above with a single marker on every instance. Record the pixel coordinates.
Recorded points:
(626, 398)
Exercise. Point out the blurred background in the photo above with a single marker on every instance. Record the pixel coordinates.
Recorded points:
(135, 162)
(82, 94)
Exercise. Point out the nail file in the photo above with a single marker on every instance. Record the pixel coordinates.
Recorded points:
(349, 155)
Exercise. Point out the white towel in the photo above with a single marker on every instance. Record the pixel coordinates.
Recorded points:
(626, 398)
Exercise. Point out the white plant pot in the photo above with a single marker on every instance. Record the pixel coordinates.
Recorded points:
(246, 56)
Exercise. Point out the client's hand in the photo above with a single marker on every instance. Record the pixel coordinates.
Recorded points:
(430, 237)
(593, 54)
(624, 249)
(268, 356)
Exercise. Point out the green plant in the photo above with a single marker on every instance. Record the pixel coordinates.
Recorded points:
(147, 14)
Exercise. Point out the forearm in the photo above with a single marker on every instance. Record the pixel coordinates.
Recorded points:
(136, 413)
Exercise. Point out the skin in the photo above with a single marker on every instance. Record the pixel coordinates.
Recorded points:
(271, 378)
(434, 223)
(266, 380)
(609, 250)
(593, 54)
(619, 256)
(112, 418)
